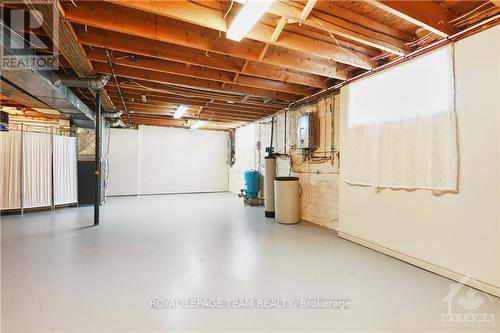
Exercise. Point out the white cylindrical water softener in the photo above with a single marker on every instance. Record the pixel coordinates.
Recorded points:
(286, 200)
(269, 175)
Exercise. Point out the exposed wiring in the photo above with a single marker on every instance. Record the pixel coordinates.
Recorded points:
(123, 57)
(468, 13)
(466, 21)
(418, 41)
(230, 7)
(192, 93)
(335, 39)
(110, 64)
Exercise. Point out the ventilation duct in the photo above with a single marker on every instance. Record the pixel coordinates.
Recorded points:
(37, 87)
(97, 83)
(117, 123)
(112, 114)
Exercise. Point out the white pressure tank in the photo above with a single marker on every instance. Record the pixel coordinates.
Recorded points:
(287, 200)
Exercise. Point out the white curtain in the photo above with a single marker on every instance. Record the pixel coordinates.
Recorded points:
(37, 170)
(402, 130)
(65, 170)
(10, 154)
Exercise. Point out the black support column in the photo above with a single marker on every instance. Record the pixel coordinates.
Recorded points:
(97, 178)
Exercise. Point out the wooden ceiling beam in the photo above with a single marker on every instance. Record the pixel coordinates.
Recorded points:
(193, 71)
(170, 101)
(189, 119)
(138, 46)
(207, 116)
(172, 106)
(141, 74)
(330, 8)
(192, 114)
(168, 122)
(193, 101)
(269, 71)
(136, 95)
(342, 27)
(307, 9)
(279, 28)
(426, 14)
(260, 32)
(154, 27)
(182, 92)
(175, 104)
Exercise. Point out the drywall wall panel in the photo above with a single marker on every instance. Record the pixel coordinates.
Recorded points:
(123, 161)
(456, 232)
(175, 160)
(244, 147)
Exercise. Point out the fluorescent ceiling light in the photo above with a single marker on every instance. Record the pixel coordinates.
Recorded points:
(246, 18)
(198, 124)
(181, 110)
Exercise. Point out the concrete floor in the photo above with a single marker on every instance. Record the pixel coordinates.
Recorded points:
(58, 274)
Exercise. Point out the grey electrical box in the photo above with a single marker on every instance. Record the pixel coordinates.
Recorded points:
(306, 132)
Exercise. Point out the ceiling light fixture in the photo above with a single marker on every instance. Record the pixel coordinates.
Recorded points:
(198, 124)
(181, 110)
(249, 14)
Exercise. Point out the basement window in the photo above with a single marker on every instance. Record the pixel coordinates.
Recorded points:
(419, 88)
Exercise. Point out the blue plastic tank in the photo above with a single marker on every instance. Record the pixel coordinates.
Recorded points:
(252, 183)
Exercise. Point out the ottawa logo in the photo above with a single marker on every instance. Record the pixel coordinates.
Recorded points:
(464, 306)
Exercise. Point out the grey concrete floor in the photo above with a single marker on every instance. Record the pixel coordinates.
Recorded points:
(59, 274)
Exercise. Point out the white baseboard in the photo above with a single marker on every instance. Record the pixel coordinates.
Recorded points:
(483, 286)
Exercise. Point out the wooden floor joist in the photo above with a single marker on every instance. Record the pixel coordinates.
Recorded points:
(193, 71)
(151, 26)
(171, 53)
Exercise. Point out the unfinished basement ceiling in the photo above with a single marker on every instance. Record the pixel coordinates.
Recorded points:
(168, 53)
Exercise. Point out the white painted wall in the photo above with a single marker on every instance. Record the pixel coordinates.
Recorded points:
(453, 234)
(245, 157)
(175, 160)
(123, 161)
(159, 160)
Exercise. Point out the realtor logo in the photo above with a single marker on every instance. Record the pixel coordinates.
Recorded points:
(464, 306)
(29, 35)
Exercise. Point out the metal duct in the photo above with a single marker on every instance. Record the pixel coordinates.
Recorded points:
(117, 114)
(38, 84)
(97, 83)
(117, 123)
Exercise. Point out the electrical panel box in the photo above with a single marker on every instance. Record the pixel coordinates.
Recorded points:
(306, 132)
